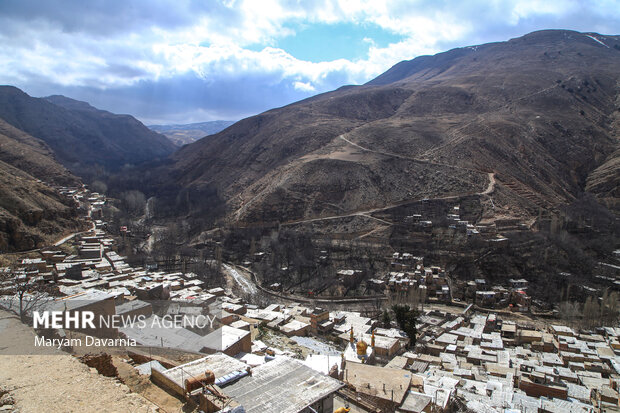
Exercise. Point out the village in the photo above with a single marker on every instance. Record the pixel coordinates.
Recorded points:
(309, 356)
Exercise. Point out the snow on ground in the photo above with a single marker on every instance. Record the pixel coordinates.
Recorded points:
(597, 40)
(316, 346)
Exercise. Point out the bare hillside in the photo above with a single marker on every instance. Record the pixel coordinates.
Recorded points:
(536, 112)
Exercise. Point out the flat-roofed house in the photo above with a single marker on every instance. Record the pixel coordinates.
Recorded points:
(284, 385)
(228, 340)
(295, 328)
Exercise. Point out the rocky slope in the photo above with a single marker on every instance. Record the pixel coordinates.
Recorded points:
(604, 181)
(81, 136)
(32, 156)
(68, 383)
(32, 212)
(535, 113)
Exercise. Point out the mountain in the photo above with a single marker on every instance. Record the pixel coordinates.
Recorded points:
(81, 136)
(191, 132)
(526, 127)
(32, 212)
(32, 156)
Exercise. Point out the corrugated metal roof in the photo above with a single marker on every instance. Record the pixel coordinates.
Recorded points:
(283, 385)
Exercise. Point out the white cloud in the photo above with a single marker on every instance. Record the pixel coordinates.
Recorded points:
(304, 87)
(528, 8)
(116, 47)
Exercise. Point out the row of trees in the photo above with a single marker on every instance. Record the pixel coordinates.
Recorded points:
(293, 250)
(595, 312)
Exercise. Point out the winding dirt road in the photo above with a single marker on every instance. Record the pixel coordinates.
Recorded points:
(368, 213)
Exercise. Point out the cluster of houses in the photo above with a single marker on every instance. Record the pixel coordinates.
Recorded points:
(95, 265)
(513, 296)
(464, 360)
(488, 364)
(408, 273)
(488, 231)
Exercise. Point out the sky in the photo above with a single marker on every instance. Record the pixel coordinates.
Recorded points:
(182, 61)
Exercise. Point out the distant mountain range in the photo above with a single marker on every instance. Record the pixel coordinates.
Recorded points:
(191, 132)
(81, 136)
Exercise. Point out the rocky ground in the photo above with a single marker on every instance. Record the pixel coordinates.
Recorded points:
(50, 380)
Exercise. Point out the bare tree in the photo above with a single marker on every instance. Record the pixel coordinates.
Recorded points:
(591, 312)
(218, 256)
(569, 311)
(133, 202)
(29, 293)
(609, 308)
(99, 186)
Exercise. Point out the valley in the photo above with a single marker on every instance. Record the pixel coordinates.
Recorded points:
(466, 157)
(452, 224)
(183, 134)
(503, 137)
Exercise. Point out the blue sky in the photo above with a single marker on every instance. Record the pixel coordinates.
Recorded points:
(319, 42)
(176, 61)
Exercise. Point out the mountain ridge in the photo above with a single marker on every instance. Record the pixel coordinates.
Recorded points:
(517, 108)
(81, 135)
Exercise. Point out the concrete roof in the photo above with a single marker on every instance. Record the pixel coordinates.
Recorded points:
(447, 338)
(322, 363)
(130, 306)
(283, 385)
(381, 341)
(223, 338)
(579, 392)
(240, 324)
(562, 329)
(415, 402)
(155, 335)
(390, 332)
(293, 326)
(265, 315)
(78, 300)
(360, 324)
(146, 368)
(398, 362)
(379, 381)
(250, 359)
